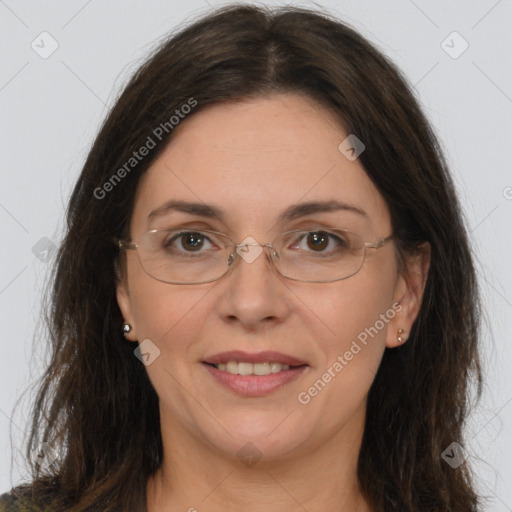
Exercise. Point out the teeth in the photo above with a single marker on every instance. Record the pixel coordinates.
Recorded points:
(242, 368)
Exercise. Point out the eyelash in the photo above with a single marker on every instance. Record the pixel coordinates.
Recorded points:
(340, 242)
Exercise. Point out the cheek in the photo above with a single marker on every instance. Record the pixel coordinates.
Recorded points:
(352, 308)
(357, 312)
(163, 311)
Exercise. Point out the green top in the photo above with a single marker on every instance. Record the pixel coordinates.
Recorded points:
(12, 503)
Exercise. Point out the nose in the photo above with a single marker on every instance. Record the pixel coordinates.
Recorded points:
(253, 292)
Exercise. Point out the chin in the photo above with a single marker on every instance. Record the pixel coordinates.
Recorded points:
(258, 437)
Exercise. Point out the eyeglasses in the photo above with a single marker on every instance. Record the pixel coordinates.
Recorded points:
(180, 256)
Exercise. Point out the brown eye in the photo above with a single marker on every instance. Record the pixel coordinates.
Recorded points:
(186, 242)
(318, 240)
(321, 243)
(192, 241)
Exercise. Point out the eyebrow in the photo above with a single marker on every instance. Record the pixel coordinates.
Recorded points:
(293, 212)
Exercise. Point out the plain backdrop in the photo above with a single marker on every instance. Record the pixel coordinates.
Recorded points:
(456, 54)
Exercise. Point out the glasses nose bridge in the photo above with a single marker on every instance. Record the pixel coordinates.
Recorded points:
(254, 244)
(272, 253)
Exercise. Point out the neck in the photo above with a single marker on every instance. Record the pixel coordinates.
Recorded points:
(195, 477)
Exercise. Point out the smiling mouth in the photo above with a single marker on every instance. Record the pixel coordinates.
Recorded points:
(259, 369)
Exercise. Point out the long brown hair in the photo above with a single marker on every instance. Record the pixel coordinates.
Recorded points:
(95, 405)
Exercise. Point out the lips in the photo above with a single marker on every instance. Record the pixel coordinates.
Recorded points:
(258, 357)
(248, 386)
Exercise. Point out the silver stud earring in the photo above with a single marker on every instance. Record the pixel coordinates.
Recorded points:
(126, 328)
(400, 338)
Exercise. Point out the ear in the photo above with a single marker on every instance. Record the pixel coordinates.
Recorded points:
(408, 293)
(123, 300)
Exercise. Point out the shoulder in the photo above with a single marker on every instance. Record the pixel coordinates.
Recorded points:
(12, 502)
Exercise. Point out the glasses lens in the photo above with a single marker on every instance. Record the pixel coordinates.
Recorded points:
(181, 256)
(319, 255)
(187, 257)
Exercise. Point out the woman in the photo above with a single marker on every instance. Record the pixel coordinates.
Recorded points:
(266, 298)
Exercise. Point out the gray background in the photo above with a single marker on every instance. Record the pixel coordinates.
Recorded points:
(51, 109)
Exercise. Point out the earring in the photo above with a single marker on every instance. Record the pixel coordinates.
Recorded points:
(400, 333)
(126, 328)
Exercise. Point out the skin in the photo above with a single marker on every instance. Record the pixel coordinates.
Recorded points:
(253, 159)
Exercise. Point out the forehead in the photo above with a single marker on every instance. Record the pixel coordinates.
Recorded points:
(254, 159)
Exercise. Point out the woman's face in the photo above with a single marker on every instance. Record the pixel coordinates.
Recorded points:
(252, 161)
